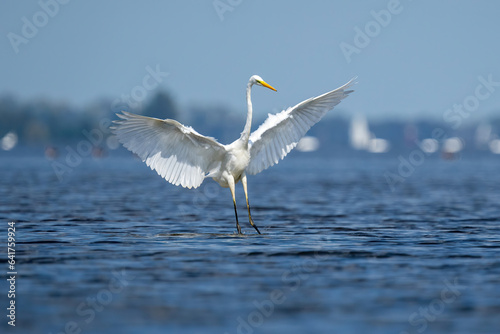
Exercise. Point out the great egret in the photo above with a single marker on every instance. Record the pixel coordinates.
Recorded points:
(184, 157)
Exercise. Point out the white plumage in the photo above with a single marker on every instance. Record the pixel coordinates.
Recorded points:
(184, 157)
(280, 133)
(176, 152)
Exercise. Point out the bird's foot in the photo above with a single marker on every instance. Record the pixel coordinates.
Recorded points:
(254, 226)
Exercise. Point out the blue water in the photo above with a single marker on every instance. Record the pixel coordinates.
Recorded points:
(112, 248)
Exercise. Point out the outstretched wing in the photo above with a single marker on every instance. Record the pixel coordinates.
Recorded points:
(281, 132)
(176, 152)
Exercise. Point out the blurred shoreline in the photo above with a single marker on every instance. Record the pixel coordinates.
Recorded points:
(55, 130)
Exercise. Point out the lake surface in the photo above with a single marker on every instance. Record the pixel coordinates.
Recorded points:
(110, 247)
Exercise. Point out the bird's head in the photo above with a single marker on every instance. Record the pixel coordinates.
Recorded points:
(256, 80)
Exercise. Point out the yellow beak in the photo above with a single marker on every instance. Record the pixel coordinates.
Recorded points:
(265, 84)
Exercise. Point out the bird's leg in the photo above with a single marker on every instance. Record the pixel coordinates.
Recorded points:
(244, 182)
(231, 187)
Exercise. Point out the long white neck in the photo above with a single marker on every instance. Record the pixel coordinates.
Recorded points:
(245, 135)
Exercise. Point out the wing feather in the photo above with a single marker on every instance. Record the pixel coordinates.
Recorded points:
(176, 152)
(281, 132)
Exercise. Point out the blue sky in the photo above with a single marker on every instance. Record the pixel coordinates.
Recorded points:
(420, 60)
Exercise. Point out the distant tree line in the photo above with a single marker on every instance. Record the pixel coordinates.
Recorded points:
(42, 122)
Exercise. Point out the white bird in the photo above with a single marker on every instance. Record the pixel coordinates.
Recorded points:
(184, 157)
